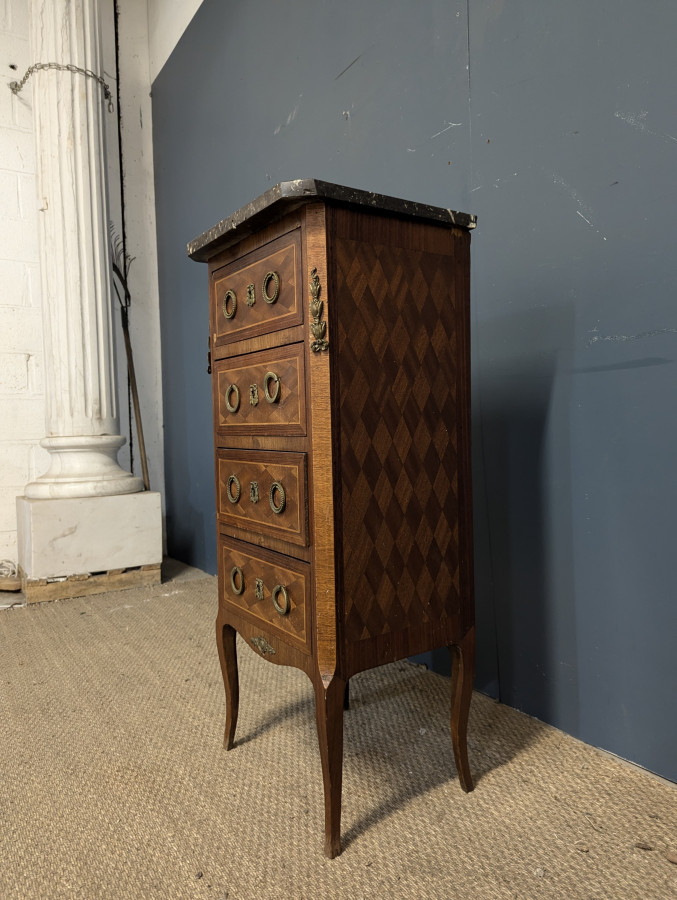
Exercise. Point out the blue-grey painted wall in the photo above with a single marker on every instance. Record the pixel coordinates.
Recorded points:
(556, 124)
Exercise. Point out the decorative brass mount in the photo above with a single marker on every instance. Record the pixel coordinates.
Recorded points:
(262, 645)
(317, 327)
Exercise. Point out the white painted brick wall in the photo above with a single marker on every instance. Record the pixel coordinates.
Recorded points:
(22, 403)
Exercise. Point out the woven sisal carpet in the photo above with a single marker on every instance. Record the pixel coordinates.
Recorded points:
(114, 783)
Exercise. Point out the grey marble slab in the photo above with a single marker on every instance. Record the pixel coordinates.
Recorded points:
(288, 195)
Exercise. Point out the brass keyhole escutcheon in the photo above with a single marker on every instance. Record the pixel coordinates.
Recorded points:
(233, 481)
(232, 391)
(236, 573)
(251, 295)
(229, 312)
(284, 607)
(254, 394)
(275, 278)
(254, 491)
(258, 590)
(272, 396)
(277, 497)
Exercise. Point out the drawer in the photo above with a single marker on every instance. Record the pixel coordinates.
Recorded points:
(261, 393)
(264, 492)
(271, 590)
(258, 293)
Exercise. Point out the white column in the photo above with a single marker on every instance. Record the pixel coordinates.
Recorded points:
(69, 110)
(86, 514)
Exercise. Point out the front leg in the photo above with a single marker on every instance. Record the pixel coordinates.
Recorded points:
(329, 714)
(225, 641)
(462, 675)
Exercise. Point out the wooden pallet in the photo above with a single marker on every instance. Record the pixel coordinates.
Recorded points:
(43, 589)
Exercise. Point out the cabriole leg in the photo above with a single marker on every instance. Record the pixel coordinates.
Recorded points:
(462, 675)
(225, 641)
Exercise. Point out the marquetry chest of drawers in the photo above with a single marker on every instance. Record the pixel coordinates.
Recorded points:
(339, 346)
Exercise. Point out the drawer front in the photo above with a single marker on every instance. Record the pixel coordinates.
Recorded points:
(262, 393)
(264, 492)
(273, 591)
(258, 293)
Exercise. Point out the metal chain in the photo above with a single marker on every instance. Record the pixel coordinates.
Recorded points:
(16, 86)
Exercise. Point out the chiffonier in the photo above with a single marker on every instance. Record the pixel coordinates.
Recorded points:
(339, 356)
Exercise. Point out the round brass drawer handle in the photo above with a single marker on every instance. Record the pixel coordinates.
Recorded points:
(236, 572)
(229, 295)
(276, 488)
(284, 607)
(232, 389)
(271, 276)
(233, 480)
(274, 395)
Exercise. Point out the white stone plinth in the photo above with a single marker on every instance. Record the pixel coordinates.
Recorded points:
(88, 534)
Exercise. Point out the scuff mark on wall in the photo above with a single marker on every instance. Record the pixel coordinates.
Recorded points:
(573, 193)
(449, 125)
(343, 72)
(583, 207)
(621, 338)
(290, 118)
(496, 183)
(639, 121)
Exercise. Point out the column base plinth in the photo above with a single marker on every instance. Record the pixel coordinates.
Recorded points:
(83, 466)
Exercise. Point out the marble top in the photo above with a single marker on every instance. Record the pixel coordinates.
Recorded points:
(287, 195)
